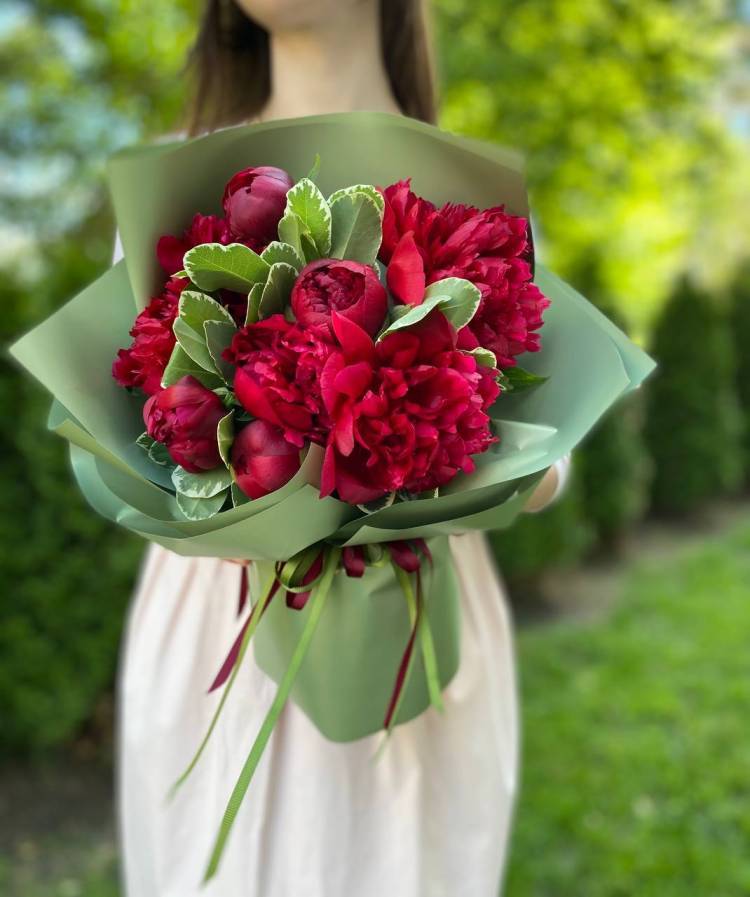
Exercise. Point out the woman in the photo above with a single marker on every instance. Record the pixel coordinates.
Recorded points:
(431, 816)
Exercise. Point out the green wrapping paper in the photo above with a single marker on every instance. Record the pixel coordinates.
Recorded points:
(356, 650)
(344, 680)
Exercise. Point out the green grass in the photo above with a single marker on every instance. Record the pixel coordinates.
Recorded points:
(636, 769)
(61, 866)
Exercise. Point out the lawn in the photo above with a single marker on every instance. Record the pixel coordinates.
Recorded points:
(636, 778)
(636, 775)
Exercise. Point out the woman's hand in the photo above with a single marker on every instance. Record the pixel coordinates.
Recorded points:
(543, 493)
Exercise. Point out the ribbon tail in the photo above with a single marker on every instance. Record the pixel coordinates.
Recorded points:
(429, 658)
(234, 651)
(251, 626)
(316, 605)
(405, 667)
(242, 599)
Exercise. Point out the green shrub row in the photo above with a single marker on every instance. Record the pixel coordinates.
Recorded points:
(669, 449)
(66, 573)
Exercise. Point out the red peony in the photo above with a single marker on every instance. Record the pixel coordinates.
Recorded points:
(278, 376)
(142, 364)
(262, 460)
(203, 229)
(350, 288)
(406, 413)
(490, 248)
(254, 201)
(184, 418)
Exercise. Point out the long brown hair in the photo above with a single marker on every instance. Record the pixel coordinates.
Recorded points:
(230, 63)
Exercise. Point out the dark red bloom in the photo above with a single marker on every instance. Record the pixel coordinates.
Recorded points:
(406, 413)
(278, 376)
(142, 364)
(184, 418)
(262, 460)
(203, 229)
(353, 561)
(490, 248)
(350, 288)
(254, 201)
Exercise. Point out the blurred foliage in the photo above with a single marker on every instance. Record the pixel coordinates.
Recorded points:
(693, 421)
(614, 466)
(620, 108)
(555, 538)
(66, 572)
(740, 324)
(79, 79)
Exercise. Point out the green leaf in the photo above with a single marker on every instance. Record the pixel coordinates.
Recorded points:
(194, 310)
(201, 485)
(182, 365)
(194, 344)
(225, 437)
(306, 215)
(201, 508)
(275, 296)
(253, 303)
(315, 170)
(213, 266)
(484, 357)
(367, 189)
(219, 335)
(458, 299)
(356, 227)
(282, 252)
(181, 274)
(516, 378)
(155, 450)
(290, 231)
(238, 496)
(455, 297)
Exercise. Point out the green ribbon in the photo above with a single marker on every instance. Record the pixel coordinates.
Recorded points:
(429, 657)
(418, 617)
(314, 610)
(251, 627)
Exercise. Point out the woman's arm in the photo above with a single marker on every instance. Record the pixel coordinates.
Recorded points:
(551, 486)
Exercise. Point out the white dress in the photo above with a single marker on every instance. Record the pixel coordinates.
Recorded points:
(429, 817)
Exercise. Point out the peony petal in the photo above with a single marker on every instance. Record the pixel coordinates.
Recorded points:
(328, 472)
(405, 273)
(354, 379)
(356, 343)
(254, 399)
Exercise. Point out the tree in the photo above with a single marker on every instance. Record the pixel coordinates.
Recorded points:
(614, 105)
(693, 424)
(740, 323)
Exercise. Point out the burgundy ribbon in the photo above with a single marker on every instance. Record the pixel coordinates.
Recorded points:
(297, 600)
(402, 670)
(243, 590)
(234, 651)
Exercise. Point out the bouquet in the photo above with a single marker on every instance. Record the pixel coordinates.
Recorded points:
(327, 375)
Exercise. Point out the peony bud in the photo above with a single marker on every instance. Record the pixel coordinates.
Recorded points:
(349, 288)
(262, 460)
(184, 417)
(254, 201)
